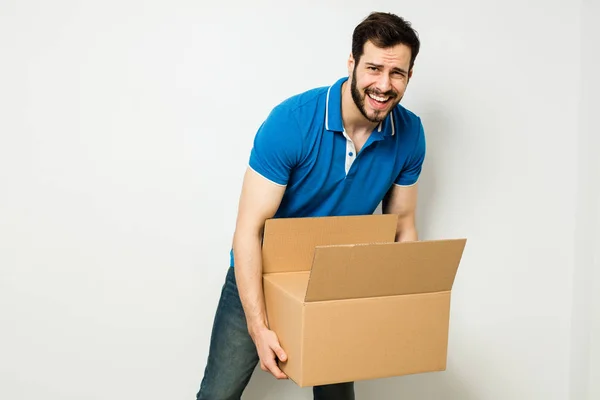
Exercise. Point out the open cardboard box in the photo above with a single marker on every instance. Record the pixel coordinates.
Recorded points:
(348, 303)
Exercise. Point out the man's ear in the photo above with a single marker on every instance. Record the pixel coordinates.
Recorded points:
(350, 64)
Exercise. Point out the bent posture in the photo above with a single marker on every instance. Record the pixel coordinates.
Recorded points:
(336, 150)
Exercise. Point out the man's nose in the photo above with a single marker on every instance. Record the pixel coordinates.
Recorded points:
(384, 84)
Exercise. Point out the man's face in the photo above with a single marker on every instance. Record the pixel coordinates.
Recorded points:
(379, 79)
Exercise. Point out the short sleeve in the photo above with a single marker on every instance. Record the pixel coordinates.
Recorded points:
(412, 168)
(277, 146)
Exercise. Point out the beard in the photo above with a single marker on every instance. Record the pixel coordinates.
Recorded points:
(378, 115)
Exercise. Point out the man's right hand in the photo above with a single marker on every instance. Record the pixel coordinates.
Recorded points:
(259, 201)
(268, 348)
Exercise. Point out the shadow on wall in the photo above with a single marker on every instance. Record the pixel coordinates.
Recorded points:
(446, 385)
(263, 386)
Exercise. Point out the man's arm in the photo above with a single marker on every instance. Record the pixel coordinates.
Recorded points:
(259, 201)
(402, 200)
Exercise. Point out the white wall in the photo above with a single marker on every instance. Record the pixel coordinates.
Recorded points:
(124, 134)
(586, 311)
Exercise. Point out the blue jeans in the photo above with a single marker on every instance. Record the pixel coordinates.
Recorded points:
(232, 355)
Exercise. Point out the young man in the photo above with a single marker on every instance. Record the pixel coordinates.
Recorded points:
(338, 150)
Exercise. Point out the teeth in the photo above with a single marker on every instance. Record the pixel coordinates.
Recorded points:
(381, 99)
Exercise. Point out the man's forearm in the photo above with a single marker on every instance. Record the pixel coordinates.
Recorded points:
(248, 274)
(406, 232)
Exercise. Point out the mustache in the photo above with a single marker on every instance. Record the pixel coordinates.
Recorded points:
(392, 94)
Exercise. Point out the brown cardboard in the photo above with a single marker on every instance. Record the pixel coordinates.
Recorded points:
(289, 243)
(348, 303)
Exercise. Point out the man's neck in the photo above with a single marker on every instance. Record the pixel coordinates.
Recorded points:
(355, 124)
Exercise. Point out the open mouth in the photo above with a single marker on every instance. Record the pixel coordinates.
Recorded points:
(379, 99)
(378, 102)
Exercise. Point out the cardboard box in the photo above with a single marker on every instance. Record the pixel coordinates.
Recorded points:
(349, 304)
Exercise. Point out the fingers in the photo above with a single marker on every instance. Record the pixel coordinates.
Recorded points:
(270, 363)
(279, 352)
(274, 369)
(271, 366)
(269, 352)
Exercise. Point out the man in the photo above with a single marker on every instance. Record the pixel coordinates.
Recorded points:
(338, 150)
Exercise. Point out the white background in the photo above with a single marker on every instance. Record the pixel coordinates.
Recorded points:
(125, 128)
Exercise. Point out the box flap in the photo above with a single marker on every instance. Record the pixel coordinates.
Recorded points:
(292, 283)
(387, 269)
(289, 243)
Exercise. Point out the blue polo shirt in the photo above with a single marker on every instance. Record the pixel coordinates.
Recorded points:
(302, 145)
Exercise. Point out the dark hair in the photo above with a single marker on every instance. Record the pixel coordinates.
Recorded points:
(384, 30)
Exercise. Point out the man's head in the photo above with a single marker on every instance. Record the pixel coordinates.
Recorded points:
(384, 49)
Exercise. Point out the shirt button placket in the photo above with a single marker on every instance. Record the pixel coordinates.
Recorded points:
(350, 155)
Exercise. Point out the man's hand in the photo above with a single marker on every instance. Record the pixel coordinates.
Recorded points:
(268, 348)
(259, 201)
